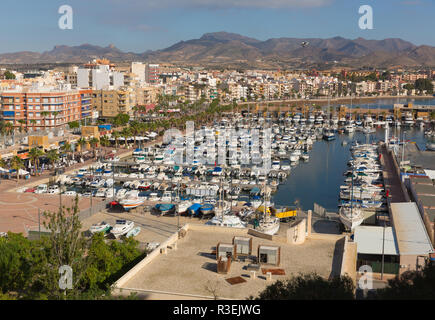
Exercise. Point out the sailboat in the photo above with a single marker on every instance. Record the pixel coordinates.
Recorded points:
(351, 217)
(267, 224)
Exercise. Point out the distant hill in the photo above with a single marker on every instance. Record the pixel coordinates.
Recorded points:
(232, 50)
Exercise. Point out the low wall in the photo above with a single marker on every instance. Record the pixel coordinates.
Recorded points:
(148, 259)
(348, 263)
(325, 236)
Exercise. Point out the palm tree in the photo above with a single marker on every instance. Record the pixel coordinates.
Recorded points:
(94, 144)
(17, 164)
(116, 135)
(82, 142)
(35, 154)
(53, 157)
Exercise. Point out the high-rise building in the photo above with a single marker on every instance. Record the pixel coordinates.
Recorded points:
(99, 77)
(138, 69)
(152, 74)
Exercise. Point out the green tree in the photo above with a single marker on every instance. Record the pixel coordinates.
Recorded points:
(310, 287)
(424, 85)
(17, 164)
(414, 285)
(35, 154)
(65, 246)
(9, 75)
(53, 157)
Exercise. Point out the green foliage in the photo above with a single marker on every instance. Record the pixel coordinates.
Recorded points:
(121, 119)
(415, 285)
(9, 75)
(310, 287)
(424, 85)
(29, 269)
(74, 125)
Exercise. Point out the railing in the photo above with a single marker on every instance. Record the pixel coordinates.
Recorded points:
(84, 214)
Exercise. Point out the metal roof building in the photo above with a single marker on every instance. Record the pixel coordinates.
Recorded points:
(370, 240)
(411, 235)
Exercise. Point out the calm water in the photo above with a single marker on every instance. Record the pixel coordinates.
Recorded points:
(319, 180)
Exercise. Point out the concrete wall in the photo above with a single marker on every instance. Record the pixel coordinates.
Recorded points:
(348, 263)
(148, 259)
(296, 234)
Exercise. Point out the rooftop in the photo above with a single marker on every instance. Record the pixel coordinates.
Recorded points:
(411, 235)
(192, 267)
(373, 240)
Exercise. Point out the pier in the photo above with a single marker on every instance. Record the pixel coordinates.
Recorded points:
(391, 175)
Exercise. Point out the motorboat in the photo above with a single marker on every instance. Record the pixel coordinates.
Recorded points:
(229, 221)
(100, 227)
(133, 232)
(122, 227)
(131, 200)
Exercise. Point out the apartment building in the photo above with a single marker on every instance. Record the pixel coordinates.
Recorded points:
(152, 74)
(99, 77)
(139, 70)
(110, 103)
(43, 108)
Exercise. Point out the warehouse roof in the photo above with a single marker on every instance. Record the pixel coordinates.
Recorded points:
(370, 240)
(411, 235)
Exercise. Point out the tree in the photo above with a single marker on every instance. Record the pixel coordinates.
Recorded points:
(310, 287)
(65, 246)
(35, 154)
(93, 142)
(9, 75)
(17, 164)
(415, 285)
(53, 157)
(424, 85)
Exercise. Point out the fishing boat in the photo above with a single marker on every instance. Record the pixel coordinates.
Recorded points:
(100, 227)
(122, 227)
(131, 200)
(165, 208)
(328, 135)
(207, 209)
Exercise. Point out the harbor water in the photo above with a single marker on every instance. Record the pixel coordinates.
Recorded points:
(318, 181)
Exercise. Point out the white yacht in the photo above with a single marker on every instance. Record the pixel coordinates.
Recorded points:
(122, 227)
(228, 221)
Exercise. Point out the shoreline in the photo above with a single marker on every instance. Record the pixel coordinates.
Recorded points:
(325, 101)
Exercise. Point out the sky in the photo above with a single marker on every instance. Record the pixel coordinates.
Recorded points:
(141, 25)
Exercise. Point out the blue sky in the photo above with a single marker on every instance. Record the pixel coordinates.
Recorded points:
(140, 25)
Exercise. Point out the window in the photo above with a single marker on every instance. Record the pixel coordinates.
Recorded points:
(37, 99)
(30, 99)
(30, 107)
(17, 99)
(18, 107)
(17, 114)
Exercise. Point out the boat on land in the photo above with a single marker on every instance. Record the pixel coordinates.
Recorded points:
(122, 227)
(132, 200)
(133, 232)
(100, 227)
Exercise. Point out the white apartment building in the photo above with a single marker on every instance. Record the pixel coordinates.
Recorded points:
(99, 78)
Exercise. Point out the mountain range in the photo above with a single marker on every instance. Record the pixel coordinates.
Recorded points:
(233, 50)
